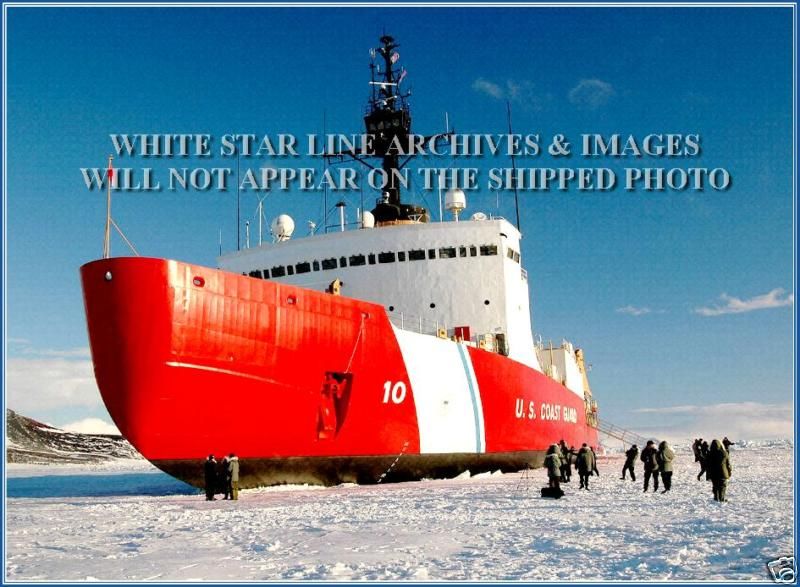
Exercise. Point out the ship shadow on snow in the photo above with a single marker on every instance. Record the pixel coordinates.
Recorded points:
(149, 484)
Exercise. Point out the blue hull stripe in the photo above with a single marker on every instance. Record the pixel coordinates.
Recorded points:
(473, 397)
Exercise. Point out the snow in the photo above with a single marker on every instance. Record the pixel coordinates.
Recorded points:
(139, 524)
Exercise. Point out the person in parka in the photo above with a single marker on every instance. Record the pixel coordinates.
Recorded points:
(665, 457)
(210, 471)
(703, 457)
(585, 465)
(233, 476)
(650, 460)
(222, 478)
(566, 462)
(552, 461)
(630, 459)
(696, 449)
(718, 469)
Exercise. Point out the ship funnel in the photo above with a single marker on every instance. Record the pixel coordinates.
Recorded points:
(455, 201)
(282, 228)
(367, 220)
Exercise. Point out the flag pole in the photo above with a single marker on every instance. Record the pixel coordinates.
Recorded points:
(109, 180)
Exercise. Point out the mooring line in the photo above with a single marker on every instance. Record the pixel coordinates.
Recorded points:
(389, 470)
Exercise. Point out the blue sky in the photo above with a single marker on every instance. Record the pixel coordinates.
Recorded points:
(620, 274)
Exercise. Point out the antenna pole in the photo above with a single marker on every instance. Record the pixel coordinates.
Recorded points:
(513, 166)
(325, 170)
(107, 239)
(260, 216)
(220, 242)
(238, 205)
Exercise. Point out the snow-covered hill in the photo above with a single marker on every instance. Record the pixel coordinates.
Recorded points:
(29, 441)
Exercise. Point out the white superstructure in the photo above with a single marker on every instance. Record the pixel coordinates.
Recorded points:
(455, 279)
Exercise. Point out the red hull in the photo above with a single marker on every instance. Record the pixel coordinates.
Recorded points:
(192, 360)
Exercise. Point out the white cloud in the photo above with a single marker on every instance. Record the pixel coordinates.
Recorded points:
(734, 305)
(522, 92)
(591, 93)
(91, 426)
(743, 421)
(51, 382)
(484, 86)
(634, 311)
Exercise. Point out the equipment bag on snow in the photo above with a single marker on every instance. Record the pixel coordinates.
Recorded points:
(552, 492)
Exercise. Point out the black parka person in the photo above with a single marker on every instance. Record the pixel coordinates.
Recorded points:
(696, 449)
(552, 461)
(665, 458)
(210, 471)
(630, 459)
(718, 469)
(703, 456)
(566, 462)
(233, 476)
(222, 479)
(650, 460)
(585, 464)
(727, 444)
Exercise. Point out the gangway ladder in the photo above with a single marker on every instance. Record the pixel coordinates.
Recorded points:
(626, 436)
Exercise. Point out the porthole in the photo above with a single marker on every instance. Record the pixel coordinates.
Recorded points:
(391, 308)
(486, 302)
(433, 305)
(199, 281)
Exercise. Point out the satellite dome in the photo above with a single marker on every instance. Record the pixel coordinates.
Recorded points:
(282, 227)
(367, 219)
(455, 201)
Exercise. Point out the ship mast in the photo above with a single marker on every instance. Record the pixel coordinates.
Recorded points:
(388, 121)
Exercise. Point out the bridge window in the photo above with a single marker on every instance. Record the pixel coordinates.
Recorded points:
(328, 264)
(462, 251)
(256, 273)
(304, 267)
(431, 253)
(385, 257)
(401, 256)
(266, 273)
(473, 251)
(356, 260)
(342, 261)
(371, 258)
(488, 250)
(290, 269)
(278, 271)
(447, 253)
(315, 265)
(416, 255)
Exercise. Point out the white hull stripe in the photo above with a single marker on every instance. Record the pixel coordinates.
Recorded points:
(445, 392)
(477, 408)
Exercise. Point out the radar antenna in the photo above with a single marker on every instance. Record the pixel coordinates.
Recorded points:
(388, 122)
